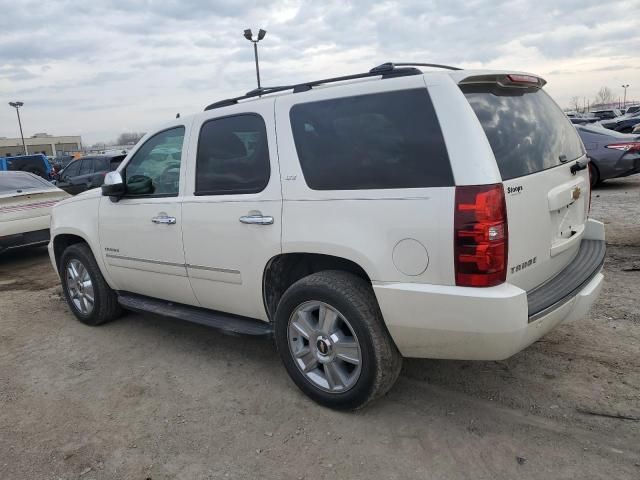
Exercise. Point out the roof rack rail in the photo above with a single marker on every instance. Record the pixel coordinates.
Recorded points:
(386, 70)
(433, 65)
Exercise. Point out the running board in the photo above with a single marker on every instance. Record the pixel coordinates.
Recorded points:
(225, 322)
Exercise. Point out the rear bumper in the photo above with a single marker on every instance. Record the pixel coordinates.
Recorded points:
(434, 321)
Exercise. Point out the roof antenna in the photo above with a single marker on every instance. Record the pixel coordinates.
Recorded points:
(177, 115)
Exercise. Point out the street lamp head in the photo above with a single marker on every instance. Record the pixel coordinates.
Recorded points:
(16, 104)
(261, 34)
(248, 35)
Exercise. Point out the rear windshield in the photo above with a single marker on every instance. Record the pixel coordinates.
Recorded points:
(14, 182)
(526, 129)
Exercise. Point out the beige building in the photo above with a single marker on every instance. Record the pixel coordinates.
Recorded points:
(41, 142)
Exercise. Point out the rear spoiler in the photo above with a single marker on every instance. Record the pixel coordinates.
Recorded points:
(511, 80)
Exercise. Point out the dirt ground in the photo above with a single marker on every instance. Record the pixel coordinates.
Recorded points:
(151, 398)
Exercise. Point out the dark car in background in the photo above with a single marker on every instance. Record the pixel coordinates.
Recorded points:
(624, 124)
(582, 118)
(632, 109)
(612, 154)
(606, 114)
(36, 164)
(59, 163)
(87, 172)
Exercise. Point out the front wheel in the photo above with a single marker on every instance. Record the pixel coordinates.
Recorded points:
(333, 342)
(88, 295)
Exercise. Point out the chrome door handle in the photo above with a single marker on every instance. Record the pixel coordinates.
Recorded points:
(256, 220)
(164, 220)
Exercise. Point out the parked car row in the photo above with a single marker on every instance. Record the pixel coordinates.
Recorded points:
(69, 174)
(87, 172)
(624, 123)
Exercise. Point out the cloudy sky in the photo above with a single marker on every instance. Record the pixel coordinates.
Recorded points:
(99, 68)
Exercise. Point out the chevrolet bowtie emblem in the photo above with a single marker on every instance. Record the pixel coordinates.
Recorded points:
(576, 193)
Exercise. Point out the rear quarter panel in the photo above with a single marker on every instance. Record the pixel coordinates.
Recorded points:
(29, 212)
(364, 226)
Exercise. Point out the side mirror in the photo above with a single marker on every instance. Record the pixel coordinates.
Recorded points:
(113, 185)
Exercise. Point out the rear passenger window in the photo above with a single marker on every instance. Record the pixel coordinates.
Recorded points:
(378, 141)
(101, 165)
(72, 169)
(233, 156)
(86, 166)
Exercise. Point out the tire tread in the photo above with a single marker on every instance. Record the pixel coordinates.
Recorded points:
(106, 307)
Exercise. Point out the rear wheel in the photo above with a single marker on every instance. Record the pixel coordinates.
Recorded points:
(333, 342)
(89, 297)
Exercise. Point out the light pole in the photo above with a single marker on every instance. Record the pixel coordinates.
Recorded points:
(17, 106)
(249, 36)
(624, 102)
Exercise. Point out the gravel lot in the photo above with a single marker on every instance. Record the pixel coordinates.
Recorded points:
(150, 398)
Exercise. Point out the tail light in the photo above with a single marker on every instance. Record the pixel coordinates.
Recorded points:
(523, 79)
(628, 147)
(481, 236)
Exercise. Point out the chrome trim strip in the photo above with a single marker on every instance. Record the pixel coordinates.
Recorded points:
(171, 264)
(144, 260)
(212, 269)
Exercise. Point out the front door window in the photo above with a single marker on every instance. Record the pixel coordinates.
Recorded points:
(154, 169)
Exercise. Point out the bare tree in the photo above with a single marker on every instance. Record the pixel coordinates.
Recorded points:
(129, 138)
(574, 103)
(604, 96)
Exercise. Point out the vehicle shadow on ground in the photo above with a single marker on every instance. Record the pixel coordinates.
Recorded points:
(213, 348)
(24, 255)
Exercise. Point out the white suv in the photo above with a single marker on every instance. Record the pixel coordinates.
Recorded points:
(357, 220)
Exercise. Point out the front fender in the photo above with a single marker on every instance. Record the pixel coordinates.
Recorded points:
(80, 219)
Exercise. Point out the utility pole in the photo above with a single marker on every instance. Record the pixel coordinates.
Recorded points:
(625, 95)
(249, 36)
(17, 106)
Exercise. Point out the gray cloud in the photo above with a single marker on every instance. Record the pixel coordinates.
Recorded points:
(73, 62)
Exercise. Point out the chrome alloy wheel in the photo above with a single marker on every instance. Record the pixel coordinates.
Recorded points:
(324, 347)
(80, 287)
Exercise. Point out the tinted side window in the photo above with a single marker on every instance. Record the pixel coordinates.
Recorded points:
(87, 166)
(527, 131)
(155, 167)
(101, 165)
(72, 169)
(233, 156)
(377, 141)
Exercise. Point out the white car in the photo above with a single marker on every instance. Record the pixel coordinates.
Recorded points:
(393, 213)
(25, 208)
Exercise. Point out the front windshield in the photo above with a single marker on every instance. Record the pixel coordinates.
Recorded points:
(11, 182)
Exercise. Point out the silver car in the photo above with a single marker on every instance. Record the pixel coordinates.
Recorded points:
(612, 154)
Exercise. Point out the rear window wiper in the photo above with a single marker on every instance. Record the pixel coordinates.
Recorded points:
(576, 167)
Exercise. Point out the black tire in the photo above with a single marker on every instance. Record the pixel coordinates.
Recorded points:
(594, 175)
(355, 300)
(105, 306)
